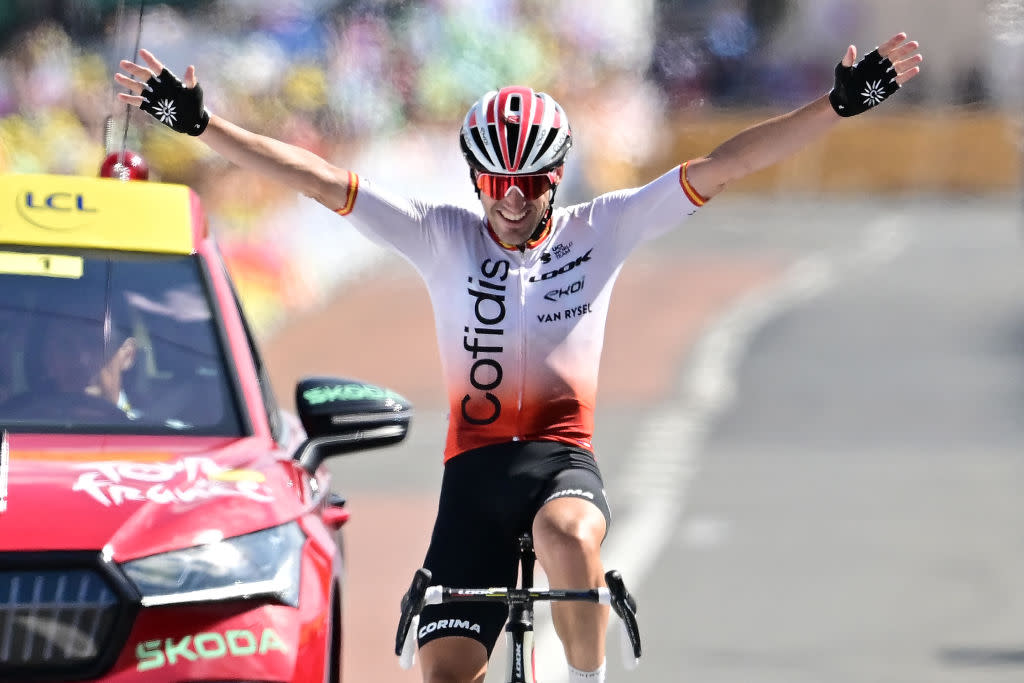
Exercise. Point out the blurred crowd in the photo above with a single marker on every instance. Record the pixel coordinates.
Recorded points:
(336, 77)
(376, 82)
(325, 73)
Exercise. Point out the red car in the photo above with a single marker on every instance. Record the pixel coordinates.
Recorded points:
(162, 518)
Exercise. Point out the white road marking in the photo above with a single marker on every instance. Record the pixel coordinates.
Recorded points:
(666, 455)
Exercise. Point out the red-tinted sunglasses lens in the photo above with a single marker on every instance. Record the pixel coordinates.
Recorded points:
(497, 186)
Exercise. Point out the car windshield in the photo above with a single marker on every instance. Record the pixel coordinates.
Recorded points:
(111, 343)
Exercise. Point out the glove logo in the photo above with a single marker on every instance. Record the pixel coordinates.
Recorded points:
(873, 93)
(165, 111)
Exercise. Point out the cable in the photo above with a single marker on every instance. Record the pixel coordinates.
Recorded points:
(128, 107)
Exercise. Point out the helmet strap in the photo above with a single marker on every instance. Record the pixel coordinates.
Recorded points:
(547, 215)
(472, 179)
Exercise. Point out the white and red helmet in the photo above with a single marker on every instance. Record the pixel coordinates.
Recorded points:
(515, 131)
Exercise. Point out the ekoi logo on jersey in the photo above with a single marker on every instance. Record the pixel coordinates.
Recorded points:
(484, 342)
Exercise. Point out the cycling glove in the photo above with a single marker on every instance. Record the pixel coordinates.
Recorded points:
(862, 86)
(168, 101)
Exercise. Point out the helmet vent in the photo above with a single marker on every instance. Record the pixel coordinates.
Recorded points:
(512, 137)
(515, 106)
(531, 138)
(548, 141)
(495, 142)
(479, 142)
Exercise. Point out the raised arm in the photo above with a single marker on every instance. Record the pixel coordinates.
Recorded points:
(858, 88)
(179, 105)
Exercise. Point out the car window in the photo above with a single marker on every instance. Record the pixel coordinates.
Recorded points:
(102, 342)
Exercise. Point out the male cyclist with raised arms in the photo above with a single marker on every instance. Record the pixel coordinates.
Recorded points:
(520, 296)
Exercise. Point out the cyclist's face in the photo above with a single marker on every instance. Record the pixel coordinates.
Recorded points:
(514, 217)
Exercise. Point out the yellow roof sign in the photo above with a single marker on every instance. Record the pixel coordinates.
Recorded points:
(95, 213)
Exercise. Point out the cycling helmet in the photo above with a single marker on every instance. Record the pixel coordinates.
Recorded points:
(515, 131)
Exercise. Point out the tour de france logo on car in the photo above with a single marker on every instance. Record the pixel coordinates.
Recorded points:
(116, 483)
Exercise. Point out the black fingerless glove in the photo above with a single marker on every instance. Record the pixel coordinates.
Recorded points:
(863, 85)
(172, 104)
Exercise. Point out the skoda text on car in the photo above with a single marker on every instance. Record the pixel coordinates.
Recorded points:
(162, 518)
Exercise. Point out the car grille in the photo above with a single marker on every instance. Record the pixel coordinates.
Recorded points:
(64, 615)
(54, 618)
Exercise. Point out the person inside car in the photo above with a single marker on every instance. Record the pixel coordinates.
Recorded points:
(521, 369)
(75, 373)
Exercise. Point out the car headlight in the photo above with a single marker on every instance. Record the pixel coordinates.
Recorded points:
(261, 564)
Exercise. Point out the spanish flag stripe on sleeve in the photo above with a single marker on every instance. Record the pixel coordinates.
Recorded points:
(691, 193)
(350, 199)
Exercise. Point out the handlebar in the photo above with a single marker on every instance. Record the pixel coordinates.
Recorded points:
(421, 593)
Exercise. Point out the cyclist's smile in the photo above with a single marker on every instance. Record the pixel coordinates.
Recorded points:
(513, 217)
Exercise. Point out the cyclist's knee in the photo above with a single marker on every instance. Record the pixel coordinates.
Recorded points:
(570, 525)
(453, 660)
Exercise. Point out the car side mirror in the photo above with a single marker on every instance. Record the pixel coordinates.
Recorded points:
(345, 415)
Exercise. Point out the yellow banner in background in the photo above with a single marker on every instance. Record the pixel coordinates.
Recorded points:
(95, 213)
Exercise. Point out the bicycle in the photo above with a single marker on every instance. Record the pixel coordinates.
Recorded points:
(519, 627)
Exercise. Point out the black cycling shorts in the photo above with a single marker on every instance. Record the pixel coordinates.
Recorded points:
(489, 497)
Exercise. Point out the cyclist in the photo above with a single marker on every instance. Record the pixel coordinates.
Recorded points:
(520, 296)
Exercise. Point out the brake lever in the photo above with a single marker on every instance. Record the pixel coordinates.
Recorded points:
(625, 607)
(412, 605)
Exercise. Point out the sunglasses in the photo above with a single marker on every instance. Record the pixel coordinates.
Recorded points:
(532, 186)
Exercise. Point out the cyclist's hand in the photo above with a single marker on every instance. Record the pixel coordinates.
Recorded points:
(862, 85)
(159, 92)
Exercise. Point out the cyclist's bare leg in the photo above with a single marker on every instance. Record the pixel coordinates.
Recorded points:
(567, 535)
(453, 660)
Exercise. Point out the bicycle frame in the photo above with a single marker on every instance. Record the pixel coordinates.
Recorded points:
(519, 627)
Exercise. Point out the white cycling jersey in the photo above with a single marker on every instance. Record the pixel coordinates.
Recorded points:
(520, 332)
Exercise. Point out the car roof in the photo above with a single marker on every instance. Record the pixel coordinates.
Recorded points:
(100, 213)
